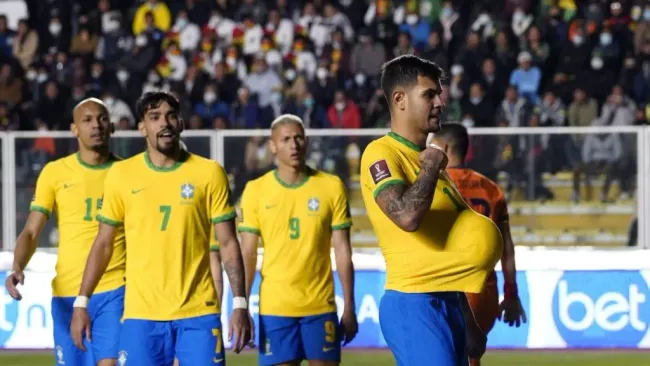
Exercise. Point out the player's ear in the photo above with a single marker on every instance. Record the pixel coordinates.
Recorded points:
(143, 131)
(73, 128)
(272, 146)
(399, 99)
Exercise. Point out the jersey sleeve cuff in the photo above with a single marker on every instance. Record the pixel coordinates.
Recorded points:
(40, 209)
(215, 248)
(108, 221)
(387, 184)
(247, 229)
(343, 226)
(227, 217)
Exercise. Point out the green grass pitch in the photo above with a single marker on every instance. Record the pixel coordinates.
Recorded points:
(384, 358)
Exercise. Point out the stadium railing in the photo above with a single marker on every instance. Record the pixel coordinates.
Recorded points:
(535, 166)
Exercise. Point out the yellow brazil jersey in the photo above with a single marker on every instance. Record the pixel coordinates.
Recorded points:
(167, 215)
(74, 190)
(454, 247)
(295, 223)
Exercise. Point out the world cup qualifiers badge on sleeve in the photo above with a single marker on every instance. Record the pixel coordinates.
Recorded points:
(379, 171)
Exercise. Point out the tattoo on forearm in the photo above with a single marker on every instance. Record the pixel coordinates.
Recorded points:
(235, 270)
(415, 199)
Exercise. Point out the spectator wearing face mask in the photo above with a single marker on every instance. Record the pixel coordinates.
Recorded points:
(57, 38)
(344, 113)
(142, 56)
(417, 28)
(117, 108)
(211, 107)
(576, 55)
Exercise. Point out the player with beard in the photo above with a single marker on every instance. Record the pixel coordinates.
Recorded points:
(167, 200)
(435, 247)
(73, 187)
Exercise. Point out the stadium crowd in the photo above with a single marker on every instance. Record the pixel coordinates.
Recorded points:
(239, 64)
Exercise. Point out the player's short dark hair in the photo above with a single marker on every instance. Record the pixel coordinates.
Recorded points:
(456, 136)
(403, 71)
(151, 100)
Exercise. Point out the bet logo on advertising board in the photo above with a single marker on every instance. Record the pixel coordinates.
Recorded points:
(601, 308)
(8, 312)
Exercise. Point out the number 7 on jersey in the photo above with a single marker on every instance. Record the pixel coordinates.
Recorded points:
(166, 211)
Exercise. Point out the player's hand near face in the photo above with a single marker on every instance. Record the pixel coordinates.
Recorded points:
(79, 327)
(433, 157)
(512, 312)
(240, 326)
(349, 326)
(11, 283)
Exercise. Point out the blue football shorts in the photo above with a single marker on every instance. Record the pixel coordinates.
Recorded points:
(282, 339)
(194, 341)
(105, 310)
(422, 328)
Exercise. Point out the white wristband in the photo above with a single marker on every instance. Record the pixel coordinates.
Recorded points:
(80, 302)
(239, 303)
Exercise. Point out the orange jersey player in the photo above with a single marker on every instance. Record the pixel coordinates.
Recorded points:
(485, 197)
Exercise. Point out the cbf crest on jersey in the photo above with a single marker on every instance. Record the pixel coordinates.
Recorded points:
(187, 191)
(313, 204)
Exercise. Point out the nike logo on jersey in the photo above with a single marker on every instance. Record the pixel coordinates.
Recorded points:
(217, 360)
(134, 191)
(270, 206)
(327, 349)
(66, 186)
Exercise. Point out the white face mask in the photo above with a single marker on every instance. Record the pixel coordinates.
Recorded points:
(153, 78)
(181, 22)
(605, 39)
(42, 77)
(290, 74)
(597, 63)
(141, 41)
(577, 40)
(475, 100)
(412, 19)
(31, 75)
(321, 73)
(231, 61)
(360, 79)
(55, 28)
(96, 74)
(340, 106)
(122, 75)
(276, 97)
(468, 123)
(109, 100)
(210, 97)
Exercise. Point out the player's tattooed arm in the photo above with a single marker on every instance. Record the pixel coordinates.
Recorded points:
(231, 257)
(406, 205)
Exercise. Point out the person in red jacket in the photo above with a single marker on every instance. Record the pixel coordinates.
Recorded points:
(343, 113)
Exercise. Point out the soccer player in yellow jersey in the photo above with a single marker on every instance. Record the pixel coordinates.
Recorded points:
(73, 187)
(434, 245)
(298, 212)
(167, 200)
